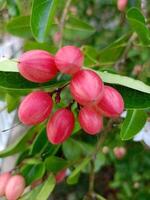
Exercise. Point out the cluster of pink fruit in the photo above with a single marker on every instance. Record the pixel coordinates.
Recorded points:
(11, 186)
(87, 89)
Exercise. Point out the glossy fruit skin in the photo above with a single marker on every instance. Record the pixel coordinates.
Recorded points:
(119, 152)
(37, 66)
(60, 176)
(86, 87)
(90, 120)
(60, 126)
(111, 104)
(15, 187)
(69, 60)
(35, 108)
(121, 4)
(4, 178)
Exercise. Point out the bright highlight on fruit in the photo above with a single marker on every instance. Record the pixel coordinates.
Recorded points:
(35, 108)
(69, 60)
(60, 126)
(37, 66)
(86, 87)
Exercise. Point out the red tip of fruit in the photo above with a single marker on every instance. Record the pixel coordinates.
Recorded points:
(35, 108)
(69, 60)
(111, 104)
(15, 187)
(60, 126)
(37, 66)
(86, 87)
(90, 120)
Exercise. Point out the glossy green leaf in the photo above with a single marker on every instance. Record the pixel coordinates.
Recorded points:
(13, 81)
(30, 45)
(55, 164)
(42, 191)
(124, 81)
(77, 29)
(46, 189)
(32, 194)
(77, 170)
(42, 17)
(20, 145)
(78, 149)
(8, 65)
(33, 172)
(134, 99)
(133, 123)
(135, 93)
(20, 26)
(137, 22)
(114, 50)
(39, 143)
(12, 102)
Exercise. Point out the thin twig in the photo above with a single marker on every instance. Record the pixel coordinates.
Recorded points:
(62, 22)
(125, 53)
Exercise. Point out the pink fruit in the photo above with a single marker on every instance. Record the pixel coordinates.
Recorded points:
(37, 66)
(121, 4)
(111, 104)
(4, 178)
(86, 87)
(69, 59)
(90, 120)
(119, 152)
(35, 108)
(60, 126)
(15, 187)
(60, 176)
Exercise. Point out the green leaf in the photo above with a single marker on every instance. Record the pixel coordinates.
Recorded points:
(134, 99)
(46, 189)
(77, 170)
(42, 17)
(124, 81)
(77, 29)
(13, 81)
(21, 143)
(135, 93)
(78, 149)
(12, 102)
(33, 172)
(39, 143)
(55, 164)
(30, 45)
(133, 123)
(42, 191)
(114, 50)
(8, 66)
(32, 194)
(20, 26)
(137, 22)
